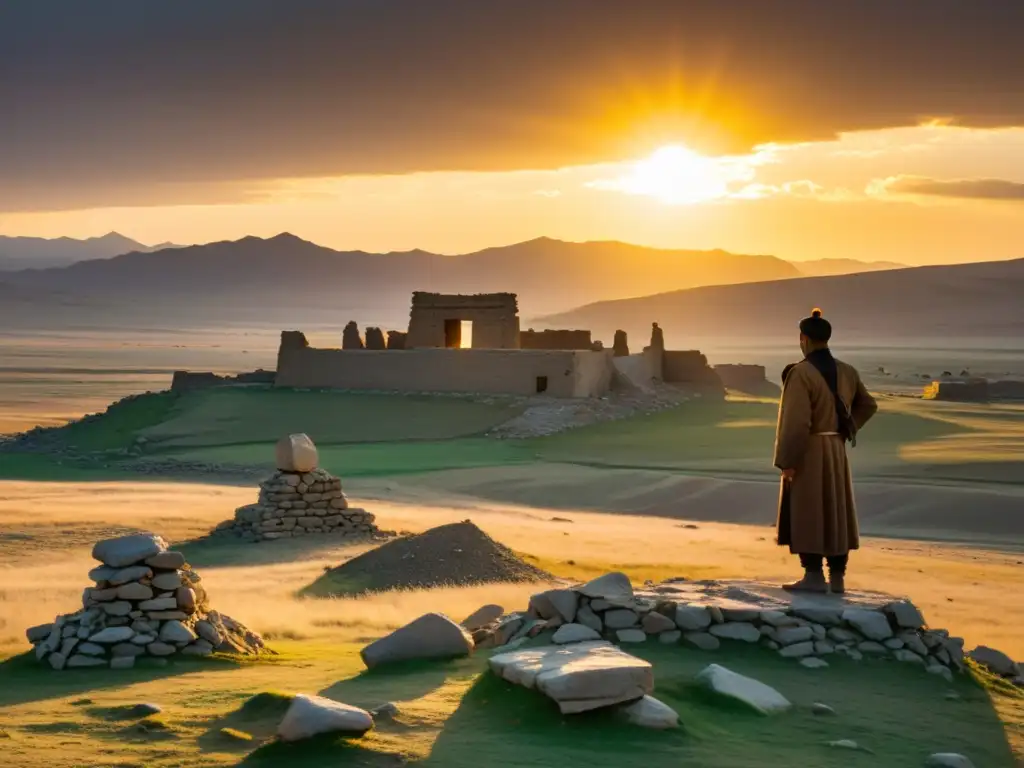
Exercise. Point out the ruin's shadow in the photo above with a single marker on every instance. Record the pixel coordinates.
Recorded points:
(24, 680)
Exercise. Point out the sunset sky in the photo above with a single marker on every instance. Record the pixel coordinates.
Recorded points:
(871, 130)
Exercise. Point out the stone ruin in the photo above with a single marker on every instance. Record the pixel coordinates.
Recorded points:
(350, 338)
(375, 338)
(146, 602)
(620, 345)
(299, 499)
(579, 659)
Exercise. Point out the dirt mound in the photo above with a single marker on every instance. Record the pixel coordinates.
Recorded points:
(457, 554)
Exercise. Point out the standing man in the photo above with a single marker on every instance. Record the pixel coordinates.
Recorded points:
(824, 404)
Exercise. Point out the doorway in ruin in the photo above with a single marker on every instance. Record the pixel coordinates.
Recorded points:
(453, 334)
(467, 334)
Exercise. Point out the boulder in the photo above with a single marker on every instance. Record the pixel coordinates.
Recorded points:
(738, 630)
(131, 573)
(630, 635)
(797, 650)
(311, 715)
(579, 677)
(586, 617)
(872, 624)
(167, 582)
(169, 560)
(574, 633)
(994, 660)
(611, 586)
(753, 693)
(702, 640)
(112, 635)
(790, 635)
(176, 632)
(654, 623)
(38, 633)
(296, 453)
(431, 636)
(134, 591)
(692, 618)
(482, 616)
(86, 661)
(565, 602)
(905, 614)
(672, 636)
(902, 654)
(648, 712)
(620, 618)
(128, 550)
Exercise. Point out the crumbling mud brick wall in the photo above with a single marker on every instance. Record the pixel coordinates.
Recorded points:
(435, 317)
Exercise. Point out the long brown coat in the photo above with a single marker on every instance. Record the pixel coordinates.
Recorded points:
(821, 514)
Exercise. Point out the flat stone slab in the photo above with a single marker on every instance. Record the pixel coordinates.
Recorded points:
(753, 693)
(579, 677)
(741, 595)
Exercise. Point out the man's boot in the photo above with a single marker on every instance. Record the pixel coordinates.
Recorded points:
(837, 583)
(813, 581)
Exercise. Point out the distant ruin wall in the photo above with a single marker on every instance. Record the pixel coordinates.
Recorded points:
(741, 376)
(515, 372)
(642, 370)
(189, 381)
(690, 367)
(555, 339)
(495, 318)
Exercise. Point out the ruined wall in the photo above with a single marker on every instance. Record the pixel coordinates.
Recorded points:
(642, 370)
(495, 318)
(741, 376)
(554, 339)
(188, 381)
(569, 373)
(690, 368)
(963, 391)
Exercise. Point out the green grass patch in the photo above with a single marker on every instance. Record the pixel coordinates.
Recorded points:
(121, 424)
(229, 416)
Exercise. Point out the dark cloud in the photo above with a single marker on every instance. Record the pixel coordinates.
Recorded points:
(977, 189)
(114, 100)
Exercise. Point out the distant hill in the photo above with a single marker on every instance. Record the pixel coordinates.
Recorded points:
(976, 301)
(18, 253)
(288, 280)
(823, 267)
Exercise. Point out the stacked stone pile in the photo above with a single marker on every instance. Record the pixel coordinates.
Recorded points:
(806, 628)
(299, 499)
(146, 601)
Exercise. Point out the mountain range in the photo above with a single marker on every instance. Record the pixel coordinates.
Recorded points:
(286, 277)
(288, 282)
(18, 253)
(979, 301)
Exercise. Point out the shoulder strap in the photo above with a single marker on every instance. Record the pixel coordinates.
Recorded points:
(827, 366)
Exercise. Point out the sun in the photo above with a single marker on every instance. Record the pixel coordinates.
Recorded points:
(677, 175)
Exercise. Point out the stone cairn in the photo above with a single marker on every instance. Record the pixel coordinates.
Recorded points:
(299, 499)
(146, 601)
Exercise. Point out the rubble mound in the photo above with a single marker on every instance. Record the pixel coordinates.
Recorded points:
(146, 601)
(457, 554)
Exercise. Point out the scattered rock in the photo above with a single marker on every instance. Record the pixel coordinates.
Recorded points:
(753, 693)
(797, 650)
(812, 662)
(432, 636)
(648, 712)
(791, 635)
(579, 677)
(311, 715)
(653, 623)
(948, 760)
(483, 616)
(822, 709)
(611, 586)
(995, 661)
(904, 655)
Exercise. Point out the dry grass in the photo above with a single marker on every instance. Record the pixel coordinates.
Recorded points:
(46, 531)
